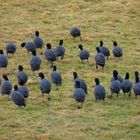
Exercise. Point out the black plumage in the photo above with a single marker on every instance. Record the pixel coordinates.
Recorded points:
(30, 46)
(118, 76)
(117, 50)
(83, 84)
(136, 87)
(84, 54)
(35, 62)
(99, 58)
(11, 48)
(60, 50)
(127, 85)
(104, 49)
(24, 91)
(6, 86)
(115, 85)
(45, 85)
(17, 97)
(38, 41)
(136, 74)
(79, 94)
(3, 60)
(99, 90)
(75, 32)
(56, 77)
(22, 76)
(49, 54)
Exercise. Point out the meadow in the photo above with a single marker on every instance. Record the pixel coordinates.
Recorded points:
(59, 119)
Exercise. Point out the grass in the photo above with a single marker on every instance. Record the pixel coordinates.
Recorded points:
(59, 119)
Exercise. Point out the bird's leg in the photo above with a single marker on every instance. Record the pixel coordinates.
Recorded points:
(79, 106)
(8, 98)
(111, 95)
(117, 95)
(81, 38)
(87, 61)
(96, 66)
(62, 57)
(38, 72)
(124, 94)
(136, 96)
(129, 94)
(56, 87)
(19, 106)
(41, 51)
(42, 95)
(49, 98)
(95, 99)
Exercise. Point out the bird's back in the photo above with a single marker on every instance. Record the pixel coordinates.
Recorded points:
(99, 92)
(3, 61)
(38, 42)
(126, 85)
(100, 58)
(45, 85)
(50, 56)
(6, 87)
(18, 98)
(79, 94)
(56, 77)
(59, 50)
(115, 86)
(84, 54)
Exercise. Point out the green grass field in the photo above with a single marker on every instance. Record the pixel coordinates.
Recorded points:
(114, 119)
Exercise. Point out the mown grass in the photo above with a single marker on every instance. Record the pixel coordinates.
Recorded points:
(59, 119)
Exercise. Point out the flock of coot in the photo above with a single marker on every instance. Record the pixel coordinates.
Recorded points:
(20, 93)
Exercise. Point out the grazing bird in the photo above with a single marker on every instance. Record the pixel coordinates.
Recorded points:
(59, 50)
(75, 32)
(6, 86)
(17, 97)
(24, 91)
(99, 90)
(136, 87)
(104, 49)
(56, 77)
(30, 46)
(84, 54)
(35, 62)
(79, 94)
(3, 60)
(117, 51)
(11, 48)
(118, 76)
(45, 85)
(83, 84)
(22, 76)
(49, 54)
(38, 41)
(115, 85)
(99, 58)
(127, 85)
